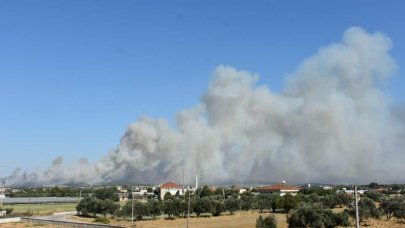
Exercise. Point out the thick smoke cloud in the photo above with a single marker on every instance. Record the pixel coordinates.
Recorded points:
(332, 123)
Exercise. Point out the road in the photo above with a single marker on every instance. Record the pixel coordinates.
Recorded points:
(62, 216)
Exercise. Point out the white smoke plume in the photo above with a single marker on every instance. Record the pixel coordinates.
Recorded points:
(333, 123)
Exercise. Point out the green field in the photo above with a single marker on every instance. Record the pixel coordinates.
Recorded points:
(43, 208)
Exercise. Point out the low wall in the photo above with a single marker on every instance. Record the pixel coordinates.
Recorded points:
(8, 220)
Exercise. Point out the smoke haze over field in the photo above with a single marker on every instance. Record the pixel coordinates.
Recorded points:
(332, 123)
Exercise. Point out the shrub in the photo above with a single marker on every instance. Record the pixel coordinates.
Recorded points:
(102, 220)
(268, 222)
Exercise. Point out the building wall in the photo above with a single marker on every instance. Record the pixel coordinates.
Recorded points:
(285, 192)
(172, 191)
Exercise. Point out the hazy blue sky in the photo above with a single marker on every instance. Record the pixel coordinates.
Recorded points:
(74, 74)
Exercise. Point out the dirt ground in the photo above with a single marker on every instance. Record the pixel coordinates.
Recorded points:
(238, 220)
(23, 224)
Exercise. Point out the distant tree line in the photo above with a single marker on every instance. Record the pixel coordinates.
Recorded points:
(58, 191)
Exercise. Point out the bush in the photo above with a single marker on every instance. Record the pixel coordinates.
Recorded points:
(102, 220)
(232, 204)
(8, 210)
(268, 222)
(316, 216)
(374, 195)
(217, 207)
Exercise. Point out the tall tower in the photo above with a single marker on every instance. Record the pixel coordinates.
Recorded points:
(196, 180)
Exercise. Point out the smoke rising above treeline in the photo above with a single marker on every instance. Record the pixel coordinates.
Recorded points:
(333, 122)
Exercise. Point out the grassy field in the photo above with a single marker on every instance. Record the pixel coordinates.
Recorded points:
(42, 209)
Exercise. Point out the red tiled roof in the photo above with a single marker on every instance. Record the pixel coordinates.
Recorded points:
(171, 185)
(279, 187)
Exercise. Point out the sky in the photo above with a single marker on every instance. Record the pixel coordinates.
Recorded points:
(75, 74)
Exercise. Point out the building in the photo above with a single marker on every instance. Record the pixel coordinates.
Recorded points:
(170, 187)
(123, 196)
(281, 188)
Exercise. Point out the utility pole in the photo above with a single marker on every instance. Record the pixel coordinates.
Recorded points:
(357, 207)
(183, 192)
(1, 193)
(132, 218)
(188, 207)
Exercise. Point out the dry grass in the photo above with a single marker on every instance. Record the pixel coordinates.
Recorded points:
(24, 224)
(238, 220)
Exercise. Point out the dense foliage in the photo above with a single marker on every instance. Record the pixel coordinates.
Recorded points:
(313, 215)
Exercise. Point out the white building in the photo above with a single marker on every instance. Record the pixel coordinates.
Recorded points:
(171, 187)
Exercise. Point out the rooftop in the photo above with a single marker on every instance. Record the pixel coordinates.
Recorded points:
(279, 187)
(171, 184)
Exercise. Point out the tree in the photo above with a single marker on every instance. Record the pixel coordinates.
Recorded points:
(219, 192)
(89, 206)
(396, 187)
(393, 207)
(172, 207)
(276, 201)
(329, 201)
(205, 191)
(289, 202)
(373, 185)
(400, 211)
(268, 222)
(155, 207)
(367, 209)
(107, 193)
(263, 201)
(217, 207)
(313, 215)
(247, 201)
(141, 210)
(232, 204)
(374, 195)
(168, 196)
(202, 205)
(343, 198)
(108, 207)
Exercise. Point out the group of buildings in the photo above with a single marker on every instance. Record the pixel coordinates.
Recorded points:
(173, 188)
